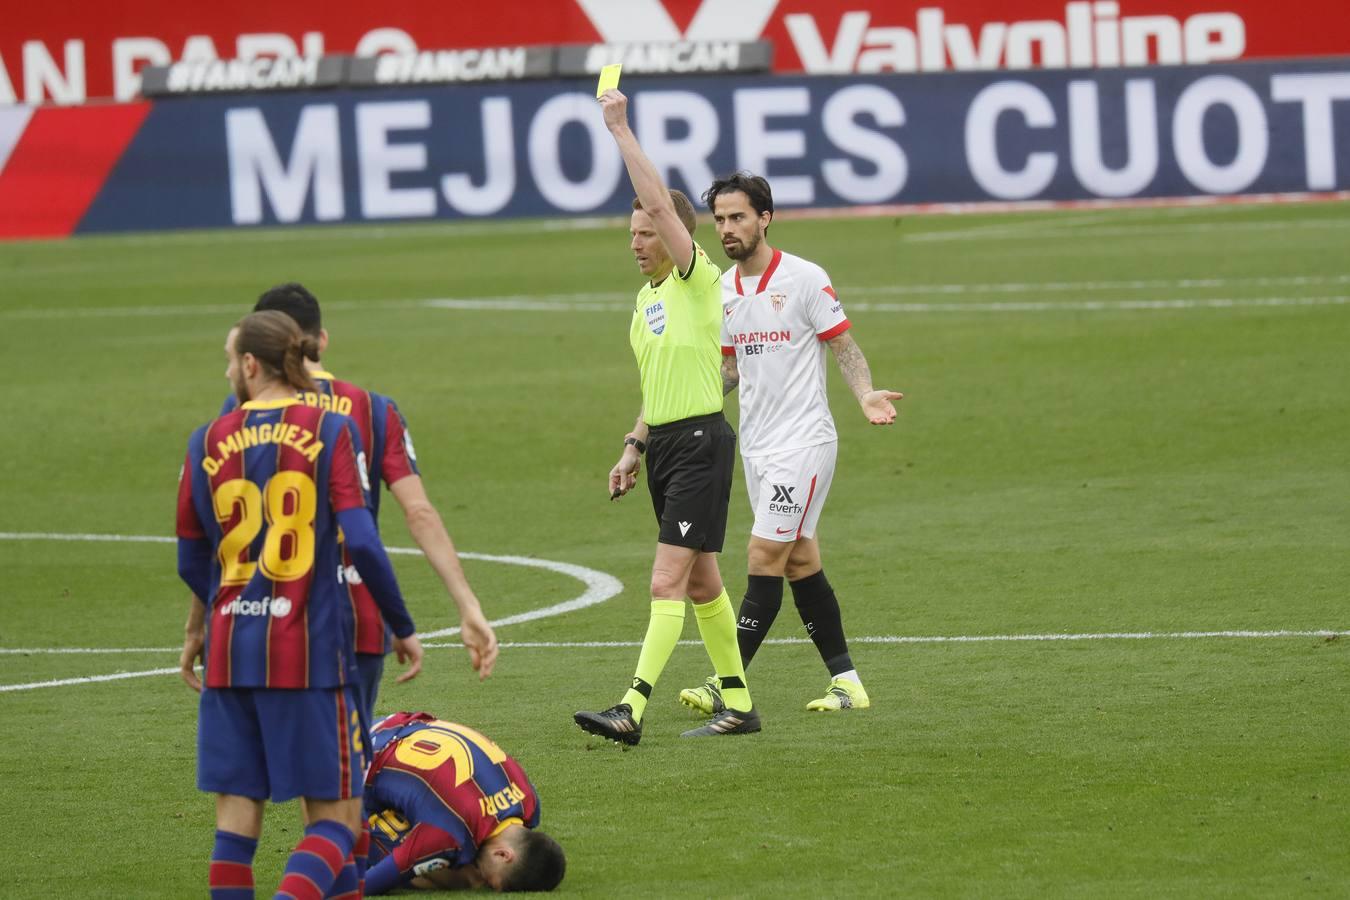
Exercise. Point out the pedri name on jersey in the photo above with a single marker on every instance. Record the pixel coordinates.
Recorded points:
(302, 440)
(753, 343)
(503, 800)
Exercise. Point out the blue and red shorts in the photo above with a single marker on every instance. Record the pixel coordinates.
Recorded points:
(281, 744)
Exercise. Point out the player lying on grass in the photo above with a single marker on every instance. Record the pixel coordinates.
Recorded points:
(448, 809)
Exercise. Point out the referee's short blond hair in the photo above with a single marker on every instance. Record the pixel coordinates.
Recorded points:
(684, 208)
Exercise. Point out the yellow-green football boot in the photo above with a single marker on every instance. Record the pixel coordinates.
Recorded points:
(843, 693)
(706, 698)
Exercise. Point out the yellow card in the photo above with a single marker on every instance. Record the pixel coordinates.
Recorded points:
(609, 78)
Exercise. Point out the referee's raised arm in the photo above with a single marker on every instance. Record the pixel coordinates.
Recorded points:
(651, 193)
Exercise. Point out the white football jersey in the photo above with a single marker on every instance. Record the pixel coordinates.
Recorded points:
(777, 325)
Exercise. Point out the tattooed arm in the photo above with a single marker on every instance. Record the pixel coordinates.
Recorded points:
(731, 375)
(876, 404)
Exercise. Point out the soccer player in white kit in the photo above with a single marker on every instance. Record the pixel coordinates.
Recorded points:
(779, 313)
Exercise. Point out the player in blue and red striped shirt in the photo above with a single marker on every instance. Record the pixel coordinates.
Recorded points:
(449, 809)
(263, 492)
(389, 458)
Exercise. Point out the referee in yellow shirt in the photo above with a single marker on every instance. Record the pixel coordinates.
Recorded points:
(676, 337)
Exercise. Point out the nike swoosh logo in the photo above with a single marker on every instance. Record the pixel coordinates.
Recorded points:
(784, 530)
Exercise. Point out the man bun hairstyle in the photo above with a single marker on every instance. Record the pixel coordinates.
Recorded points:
(755, 187)
(540, 863)
(684, 208)
(295, 301)
(280, 347)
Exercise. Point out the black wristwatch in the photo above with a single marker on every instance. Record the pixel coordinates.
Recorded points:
(641, 447)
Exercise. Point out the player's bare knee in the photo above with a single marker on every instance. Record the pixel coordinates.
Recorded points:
(764, 557)
(669, 584)
(804, 559)
(704, 590)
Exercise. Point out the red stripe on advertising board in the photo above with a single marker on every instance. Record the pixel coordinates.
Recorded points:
(59, 165)
(819, 36)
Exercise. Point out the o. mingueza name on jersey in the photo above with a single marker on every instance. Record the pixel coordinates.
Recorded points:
(301, 440)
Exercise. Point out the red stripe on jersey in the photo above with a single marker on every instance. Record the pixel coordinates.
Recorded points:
(189, 525)
(763, 279)
(344, 484)
(835, 331)
(807, 508)
(396, 465)
(60, 164)
(361, 414)
(288, 649)
(220, 629)
(344, 747)
(829, 290)
(728, 351)
(360, 409)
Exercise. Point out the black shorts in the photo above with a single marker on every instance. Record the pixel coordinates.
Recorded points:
(689, 468)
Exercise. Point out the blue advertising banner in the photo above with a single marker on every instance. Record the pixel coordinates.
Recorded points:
(541, 148)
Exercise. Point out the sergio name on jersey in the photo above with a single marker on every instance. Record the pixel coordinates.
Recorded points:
(777, 326)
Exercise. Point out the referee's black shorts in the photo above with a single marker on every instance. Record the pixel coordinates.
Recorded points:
(689, 468)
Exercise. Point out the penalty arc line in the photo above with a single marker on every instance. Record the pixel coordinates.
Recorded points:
(600, 586)
(1235, 634)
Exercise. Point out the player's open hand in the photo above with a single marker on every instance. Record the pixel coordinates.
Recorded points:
(408, 650)
(615, 106)
(481, 643)
(623, 477)
(193, 642)
(877, 406)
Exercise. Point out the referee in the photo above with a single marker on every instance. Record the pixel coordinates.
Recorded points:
(676, 337)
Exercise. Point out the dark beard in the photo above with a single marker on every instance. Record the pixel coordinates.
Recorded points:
(241, 391)
(747, 249)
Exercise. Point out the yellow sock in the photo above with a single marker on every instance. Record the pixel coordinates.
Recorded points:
(717, 625)
(663, 633)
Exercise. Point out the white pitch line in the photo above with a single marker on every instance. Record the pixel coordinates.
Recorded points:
(866, 639)
(964, 638)
(88, 679)
(575, 645)
(1051, 287)
(1039, 231)
(615, 301)
(522, 305)
(1103, 305)
(600, 586)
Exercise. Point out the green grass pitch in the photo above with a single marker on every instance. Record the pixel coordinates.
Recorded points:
(1115, 421)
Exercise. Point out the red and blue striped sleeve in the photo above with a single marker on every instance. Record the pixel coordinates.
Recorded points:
(399, 459)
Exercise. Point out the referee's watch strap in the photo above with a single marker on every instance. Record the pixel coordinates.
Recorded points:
(631, 440)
